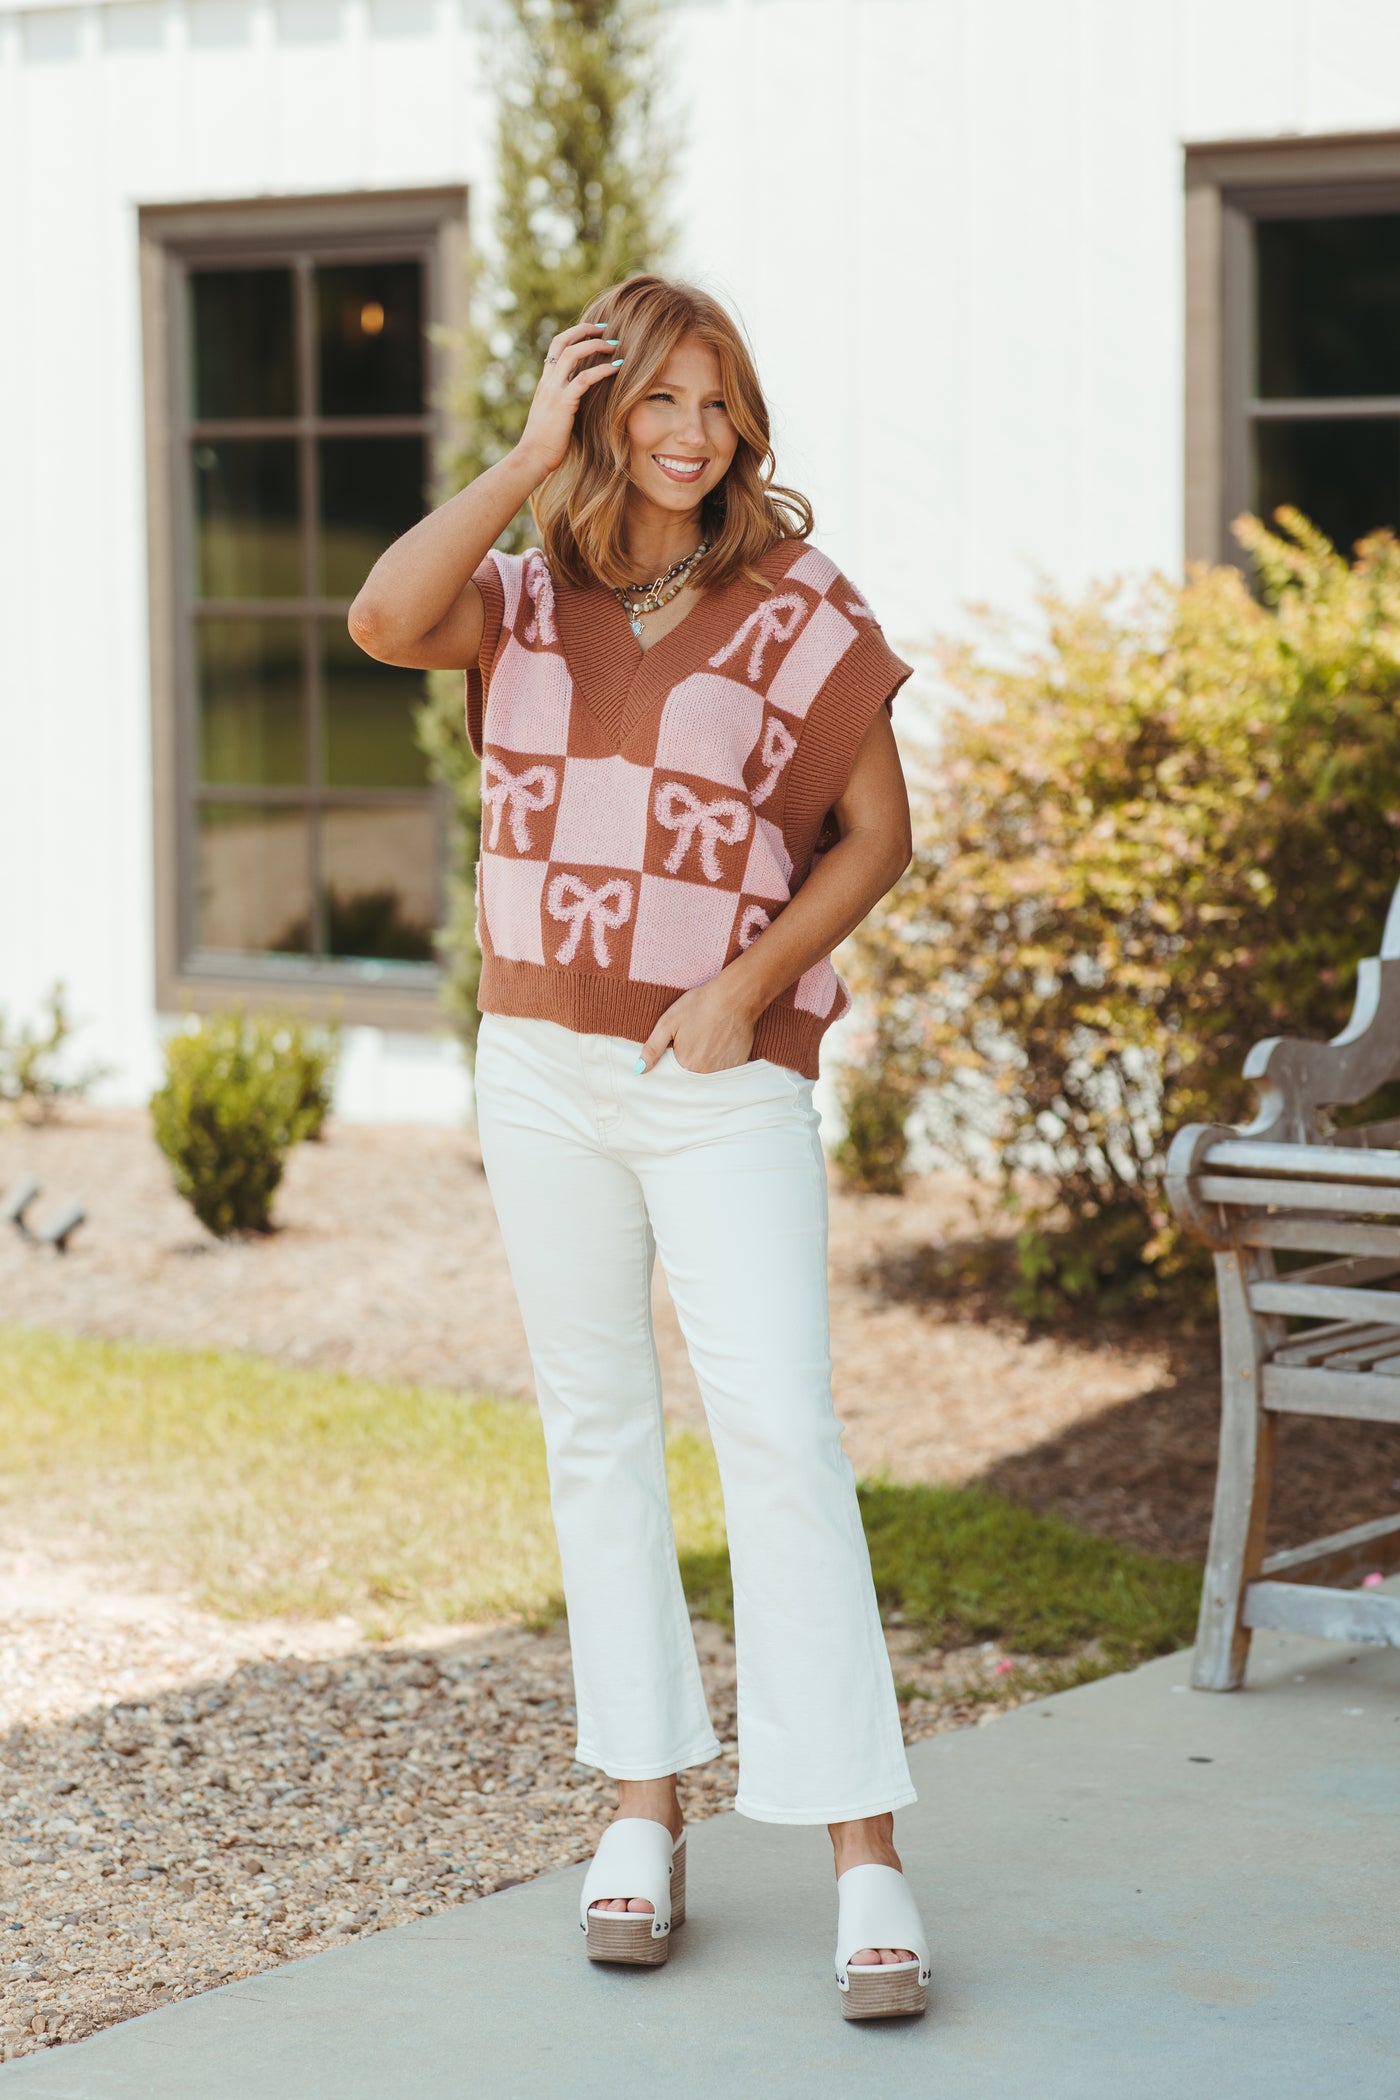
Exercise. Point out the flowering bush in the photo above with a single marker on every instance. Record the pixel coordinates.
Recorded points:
(1163, 832)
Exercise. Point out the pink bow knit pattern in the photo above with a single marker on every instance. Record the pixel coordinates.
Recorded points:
(539, 589)
(777, 748)
(724, 821)
(754, 922)
(645, 816)
(518, 796)
(776, 620)
(574, 904)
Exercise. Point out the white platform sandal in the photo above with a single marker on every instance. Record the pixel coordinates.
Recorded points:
(876, 1908)
(637, 1858)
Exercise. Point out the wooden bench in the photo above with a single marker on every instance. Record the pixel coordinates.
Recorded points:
(1321, 1339)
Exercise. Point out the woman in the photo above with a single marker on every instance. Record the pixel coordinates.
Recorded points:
(691, 793)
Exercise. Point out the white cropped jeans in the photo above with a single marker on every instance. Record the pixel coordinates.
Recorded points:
(592, 1169)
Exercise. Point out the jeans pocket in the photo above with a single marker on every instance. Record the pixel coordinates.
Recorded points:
(721, 1072)
(755, 1076)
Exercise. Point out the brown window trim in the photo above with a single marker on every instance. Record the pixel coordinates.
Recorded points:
(1229, 185)
(169, 235)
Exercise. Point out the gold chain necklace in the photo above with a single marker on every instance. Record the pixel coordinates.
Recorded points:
(639, 598)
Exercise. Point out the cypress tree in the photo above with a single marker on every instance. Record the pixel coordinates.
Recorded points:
(582, 177)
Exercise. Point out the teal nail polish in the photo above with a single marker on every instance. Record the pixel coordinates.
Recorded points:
(640, 1066)
(617, 360)
(612, 342)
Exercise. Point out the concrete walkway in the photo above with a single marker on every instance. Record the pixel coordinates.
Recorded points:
(1136, 1892)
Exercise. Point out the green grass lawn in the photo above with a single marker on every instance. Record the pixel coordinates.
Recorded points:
(269, 1491)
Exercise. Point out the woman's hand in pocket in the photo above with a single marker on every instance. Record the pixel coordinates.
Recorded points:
(708, 1030)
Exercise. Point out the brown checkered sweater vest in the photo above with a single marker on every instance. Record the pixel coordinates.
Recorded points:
(647, 813)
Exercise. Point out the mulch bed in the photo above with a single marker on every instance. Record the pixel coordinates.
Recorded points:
(1143, 1471)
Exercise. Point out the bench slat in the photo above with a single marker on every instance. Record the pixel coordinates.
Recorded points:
(1316, 1346)
(1320, 1235)
(1299, 1195)
(1361, 1356)
(1324, 1301)
(1356, 1268)
(1331, 1615)
(1305, 1162)
(1374, 1545)
(1353, 1396)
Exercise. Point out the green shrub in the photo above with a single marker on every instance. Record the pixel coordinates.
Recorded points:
(312, 1053)
(1098, 1262)
(876, 1101)
(240, 1090)
(33, 1074)
(1164, 831)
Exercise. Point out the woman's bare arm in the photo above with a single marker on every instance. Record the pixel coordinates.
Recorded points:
(712, 1026)
(418, 606)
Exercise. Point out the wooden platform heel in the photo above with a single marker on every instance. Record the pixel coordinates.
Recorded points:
(876, 1908)
(637, 1859)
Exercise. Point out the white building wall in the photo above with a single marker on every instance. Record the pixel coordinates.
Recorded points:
(953, 228)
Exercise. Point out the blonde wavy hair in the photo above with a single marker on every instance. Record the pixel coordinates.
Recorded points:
(579, 509)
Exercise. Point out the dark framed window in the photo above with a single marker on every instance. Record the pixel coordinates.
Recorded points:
(1293, 337)
(305, 849)
(1325, 405)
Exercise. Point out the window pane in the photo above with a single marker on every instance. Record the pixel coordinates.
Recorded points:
(241, 343)
(370, 339)
(245, 497)
(254, 891)
(379, 881)
(367, 718)
(250, 685)
(1329, 306)
(1344, 476)
(371, 491)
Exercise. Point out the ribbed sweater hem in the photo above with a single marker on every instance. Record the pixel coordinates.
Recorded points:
(620, 1006)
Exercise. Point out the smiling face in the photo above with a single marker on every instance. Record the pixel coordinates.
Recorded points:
(675, 448)
(680, 438)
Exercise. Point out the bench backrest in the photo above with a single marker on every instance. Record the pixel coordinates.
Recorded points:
(1298, 1080)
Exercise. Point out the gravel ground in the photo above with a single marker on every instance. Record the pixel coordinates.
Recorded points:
(187, 1801)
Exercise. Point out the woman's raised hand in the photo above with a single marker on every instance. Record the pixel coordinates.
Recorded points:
(563, 383)
(418, 605)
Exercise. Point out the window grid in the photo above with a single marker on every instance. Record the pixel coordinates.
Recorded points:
(1256, 186)
(310, 608)
(1317, 410)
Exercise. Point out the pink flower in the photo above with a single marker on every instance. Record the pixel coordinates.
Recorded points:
(1372, 1581)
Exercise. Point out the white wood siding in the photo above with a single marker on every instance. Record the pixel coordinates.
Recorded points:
(952, 226)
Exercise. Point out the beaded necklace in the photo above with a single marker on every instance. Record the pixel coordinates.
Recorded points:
(638, 598)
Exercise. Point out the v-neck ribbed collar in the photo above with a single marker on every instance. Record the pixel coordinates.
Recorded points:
(619, 681)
